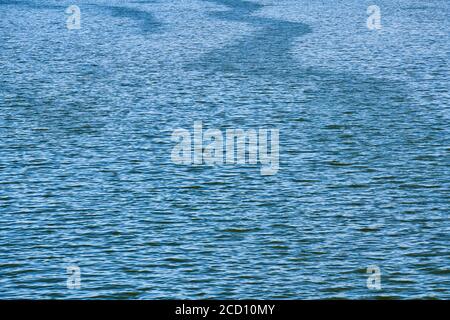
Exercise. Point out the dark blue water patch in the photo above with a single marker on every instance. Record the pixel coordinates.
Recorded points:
(31, 4)
(259, 52)
(13, 2)
(265, 56)
(147, 22)
(239, 9)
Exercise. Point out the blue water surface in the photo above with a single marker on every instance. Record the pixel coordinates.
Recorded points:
(86, 177)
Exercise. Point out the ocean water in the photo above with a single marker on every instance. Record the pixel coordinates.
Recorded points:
(86, 177)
